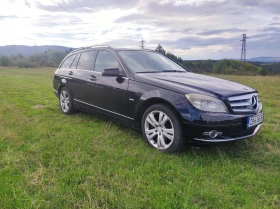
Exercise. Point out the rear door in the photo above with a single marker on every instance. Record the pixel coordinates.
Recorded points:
(81, 69)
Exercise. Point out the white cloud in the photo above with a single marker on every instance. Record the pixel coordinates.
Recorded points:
(191, 29)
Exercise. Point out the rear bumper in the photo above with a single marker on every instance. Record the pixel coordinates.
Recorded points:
(55, 92)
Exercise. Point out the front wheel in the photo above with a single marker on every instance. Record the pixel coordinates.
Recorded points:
(162, 129)
(65, 101)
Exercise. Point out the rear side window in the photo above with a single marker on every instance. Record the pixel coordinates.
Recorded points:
(68, 62)
(106, 59)
(86, 60)
(75, 62)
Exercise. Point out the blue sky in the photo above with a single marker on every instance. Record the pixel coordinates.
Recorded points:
(192, 29)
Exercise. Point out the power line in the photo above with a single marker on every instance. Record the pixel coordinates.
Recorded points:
(102, 5)
(89, 12)
(86, 10)
(74, 15)
(236, 44)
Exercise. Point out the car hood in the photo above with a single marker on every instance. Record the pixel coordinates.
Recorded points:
(188, 82)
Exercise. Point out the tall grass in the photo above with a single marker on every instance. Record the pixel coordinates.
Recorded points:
(49, 160)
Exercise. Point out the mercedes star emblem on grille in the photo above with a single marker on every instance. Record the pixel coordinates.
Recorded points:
(254, 100)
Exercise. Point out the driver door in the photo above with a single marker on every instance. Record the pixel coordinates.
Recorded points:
(111, 92)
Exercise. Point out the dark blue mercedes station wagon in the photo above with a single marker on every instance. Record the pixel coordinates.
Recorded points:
(144, 89)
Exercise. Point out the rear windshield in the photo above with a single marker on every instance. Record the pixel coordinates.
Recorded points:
(147, 61)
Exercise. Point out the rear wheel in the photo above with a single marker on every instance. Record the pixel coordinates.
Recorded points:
(65, 101)
(162, 129)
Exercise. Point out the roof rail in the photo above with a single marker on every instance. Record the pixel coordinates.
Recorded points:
(87, 47)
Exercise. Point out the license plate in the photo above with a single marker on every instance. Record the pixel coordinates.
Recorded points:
(257, 119)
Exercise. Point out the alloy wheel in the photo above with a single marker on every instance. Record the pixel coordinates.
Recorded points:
(159, 130)
(64, 101)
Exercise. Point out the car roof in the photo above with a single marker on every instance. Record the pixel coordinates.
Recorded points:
(108, 47)
(131, 49)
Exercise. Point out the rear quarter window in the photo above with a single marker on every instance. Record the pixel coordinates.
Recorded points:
(67, 63)
(75, 62)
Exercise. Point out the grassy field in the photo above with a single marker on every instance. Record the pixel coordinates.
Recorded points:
(49, 160)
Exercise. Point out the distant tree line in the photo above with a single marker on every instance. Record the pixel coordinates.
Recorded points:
(53, 58)
(49, 58)
(269, 68)
(223, 66)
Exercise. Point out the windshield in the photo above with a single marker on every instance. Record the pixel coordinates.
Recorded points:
(147, 61)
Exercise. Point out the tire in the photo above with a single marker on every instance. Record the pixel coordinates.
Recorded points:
(162, 129)
(65, 101)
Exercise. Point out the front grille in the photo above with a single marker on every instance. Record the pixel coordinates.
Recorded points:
(244, 103)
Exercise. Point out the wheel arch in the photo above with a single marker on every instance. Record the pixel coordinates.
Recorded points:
(60, 87)
(155, 100)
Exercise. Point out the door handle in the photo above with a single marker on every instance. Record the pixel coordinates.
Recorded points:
(92, 78)
(70, 73)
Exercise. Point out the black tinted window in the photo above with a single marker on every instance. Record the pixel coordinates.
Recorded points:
(105, 59)
(86, 60)
(68, 61)
(145, 61)
(75, 62)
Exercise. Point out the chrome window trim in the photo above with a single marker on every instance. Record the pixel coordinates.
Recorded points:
(65, 77)
(230, 139)
(81, 50)
(62, 76)
(103, 109)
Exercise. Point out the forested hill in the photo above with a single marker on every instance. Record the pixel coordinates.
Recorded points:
(264, 59)
(27, 51)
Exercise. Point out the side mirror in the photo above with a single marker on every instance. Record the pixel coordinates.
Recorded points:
(112, 72)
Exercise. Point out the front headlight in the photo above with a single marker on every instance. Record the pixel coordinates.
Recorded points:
(206, 103)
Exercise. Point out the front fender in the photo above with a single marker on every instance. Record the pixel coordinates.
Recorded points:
(176, 101)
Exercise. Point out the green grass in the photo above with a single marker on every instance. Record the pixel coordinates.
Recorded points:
(49, 160)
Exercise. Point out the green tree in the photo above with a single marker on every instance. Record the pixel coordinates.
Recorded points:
(235, 67)
(171, 56)
(189, 65)
(4, 61)
(264, 72)
(160, 49)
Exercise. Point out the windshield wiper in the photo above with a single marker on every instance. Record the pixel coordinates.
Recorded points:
(154, 71)
(162, 71)
(177, 71)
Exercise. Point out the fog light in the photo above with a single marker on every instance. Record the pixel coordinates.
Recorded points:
(213, 134)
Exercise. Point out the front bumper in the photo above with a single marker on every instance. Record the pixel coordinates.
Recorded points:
(228, 139)
(230, 128)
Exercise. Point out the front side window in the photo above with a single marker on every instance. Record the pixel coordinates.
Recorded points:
(68, 61)
(106, 59)
(86, 60)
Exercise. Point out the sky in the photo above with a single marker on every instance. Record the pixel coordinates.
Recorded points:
(191, 29)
